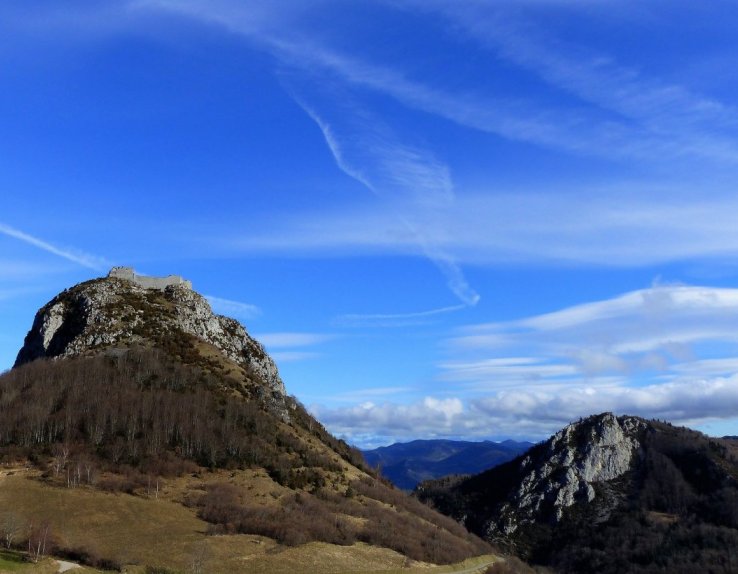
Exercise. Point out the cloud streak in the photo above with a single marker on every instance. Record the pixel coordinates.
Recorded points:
(282, 340)
(580, 227)
(395, 319)
(78, 257)
(290, 347)
(414, 183)
(364, 148)
(231, 308)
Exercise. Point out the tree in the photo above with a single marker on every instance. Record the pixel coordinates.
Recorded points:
(199, 558)
(9, 528)
(38, 539)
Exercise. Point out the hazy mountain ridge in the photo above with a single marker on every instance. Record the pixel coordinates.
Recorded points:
(407, 464)
(608, 494)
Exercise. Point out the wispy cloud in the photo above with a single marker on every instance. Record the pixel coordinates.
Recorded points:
(78, 257)
(411, 180)
(663, 352)
(602, 108)
(643, 331)
(15, 270)
(293, 356)
(288, 347)
(363, 146)
(231, 308)
(282, 340)
(582, 226)
(652, 118)
(394, 319)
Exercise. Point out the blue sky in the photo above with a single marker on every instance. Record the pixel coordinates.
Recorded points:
(444, 218)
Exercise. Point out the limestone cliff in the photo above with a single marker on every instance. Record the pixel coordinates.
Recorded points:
(607, 494)
(576, 465)
(565, 471)
(113, 313)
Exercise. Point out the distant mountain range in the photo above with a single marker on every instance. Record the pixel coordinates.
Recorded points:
(407, 464)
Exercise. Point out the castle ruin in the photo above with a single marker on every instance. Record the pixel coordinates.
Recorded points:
(147, 282)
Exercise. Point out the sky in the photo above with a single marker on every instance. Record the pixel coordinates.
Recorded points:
(444, 219)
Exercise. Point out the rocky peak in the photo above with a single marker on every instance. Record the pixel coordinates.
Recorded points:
(115, 312)
(565, 469)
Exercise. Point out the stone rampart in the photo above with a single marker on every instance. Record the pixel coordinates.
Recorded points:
(148, 282)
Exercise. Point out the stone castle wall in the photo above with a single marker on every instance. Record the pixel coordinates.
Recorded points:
(148, 282)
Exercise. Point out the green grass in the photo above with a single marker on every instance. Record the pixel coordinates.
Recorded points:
(12, 561)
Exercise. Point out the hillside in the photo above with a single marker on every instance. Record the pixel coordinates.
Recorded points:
(407, 464)
(140, 403)
(608, 494)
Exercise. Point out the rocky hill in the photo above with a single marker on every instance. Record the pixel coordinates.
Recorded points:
(407, 464)
(109, 313)
(138, 388)
(608, 494)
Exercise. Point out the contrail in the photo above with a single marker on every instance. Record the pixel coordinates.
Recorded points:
(438, 196)
(83, 259)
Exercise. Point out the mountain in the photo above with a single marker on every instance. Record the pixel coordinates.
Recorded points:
(123, 310)
(407, 464)
(608, 494)
(136, 424)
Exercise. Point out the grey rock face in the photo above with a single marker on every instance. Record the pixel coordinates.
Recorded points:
(577, 457)
(110, 312)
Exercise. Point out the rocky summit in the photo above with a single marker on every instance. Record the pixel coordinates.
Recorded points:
(607, 494)
(540, 485)
(575, 459)
(125, 309)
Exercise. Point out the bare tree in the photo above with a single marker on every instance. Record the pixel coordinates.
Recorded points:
(199, 558)
(38, 539)
(10, 527)
(61, 454)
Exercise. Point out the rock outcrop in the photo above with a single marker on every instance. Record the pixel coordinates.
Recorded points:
(113, 312)
(606, 494)
(565, 470)
(577, 467)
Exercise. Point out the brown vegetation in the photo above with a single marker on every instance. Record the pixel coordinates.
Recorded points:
(369, 512)
(134, 420)
(143, 411)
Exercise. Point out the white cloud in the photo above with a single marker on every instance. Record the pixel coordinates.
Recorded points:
(643, 331)
(78, 257)
(645, 225)
(289, 347)
(410, 179)
(681, 402)
(657, 318)
(665, 352)
(293, 356)
(292, 339)
(506, 369)
(18, 270)
(430, 417)
(231, 308)
(395, 319)
(532, 413)
(651, 117)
